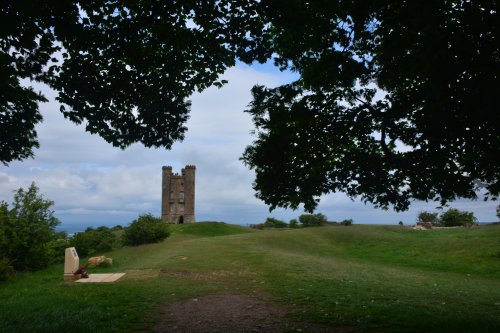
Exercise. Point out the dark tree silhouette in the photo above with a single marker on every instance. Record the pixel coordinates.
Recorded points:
(124, 69)
(396, 100)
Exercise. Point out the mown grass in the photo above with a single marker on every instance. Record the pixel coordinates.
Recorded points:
(366, 278)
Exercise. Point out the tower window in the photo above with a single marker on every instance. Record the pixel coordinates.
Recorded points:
(181, 196)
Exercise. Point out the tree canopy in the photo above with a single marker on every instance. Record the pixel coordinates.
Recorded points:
(395, 101)
(454, 217)
(27, 230)
(124, 69)
(428, 217)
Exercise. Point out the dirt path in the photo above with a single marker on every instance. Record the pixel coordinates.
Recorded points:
(231, 313)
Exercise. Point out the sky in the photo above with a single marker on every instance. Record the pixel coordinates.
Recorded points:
(93, 183)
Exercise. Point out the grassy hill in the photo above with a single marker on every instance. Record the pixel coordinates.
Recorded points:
(366, 278)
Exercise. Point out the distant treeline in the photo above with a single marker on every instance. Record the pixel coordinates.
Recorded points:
(304, 221)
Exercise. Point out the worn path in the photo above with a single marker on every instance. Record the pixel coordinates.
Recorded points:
(232, 313)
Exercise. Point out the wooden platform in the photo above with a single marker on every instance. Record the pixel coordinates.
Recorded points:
(101, 278)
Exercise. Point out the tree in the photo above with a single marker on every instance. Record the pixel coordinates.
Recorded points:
(428, 217)
(274, 223)
(93, 241)
(347, 222)
(454, 217)
(498, 211)
(311, 220)
(390, 106)
(6, 270)
(124, 69)
(293, 224)
(27, 229)
(145, 229)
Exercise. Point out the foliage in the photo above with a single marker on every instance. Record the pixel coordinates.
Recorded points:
(57, 246)
(93, 241)
(124, 70)
(145, 229)
(454, 217)
(311, 220)
(274, 223)
(6, 270)
(428, 217)
(400, 223)
(347, 222)
(498, 211)
(390, 106)
(293, 223)
(27, 229)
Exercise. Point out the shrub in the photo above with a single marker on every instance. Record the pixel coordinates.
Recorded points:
(347, 222)
(57, 246)
(454, 217)
(93, 241)
(117, 228)
(293, 223)
(146, 229)
(428, 217)
(27, 229)
(309, 220)
(6, 270)
(274, 223)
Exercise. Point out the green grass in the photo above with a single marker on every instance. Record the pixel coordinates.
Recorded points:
(369, 278)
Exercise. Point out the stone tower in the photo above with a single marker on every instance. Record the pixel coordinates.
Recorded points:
(177, 197)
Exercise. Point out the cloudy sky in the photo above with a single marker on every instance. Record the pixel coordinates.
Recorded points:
(93, 183)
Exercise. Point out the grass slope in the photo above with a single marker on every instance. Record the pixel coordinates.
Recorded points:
(368, 278)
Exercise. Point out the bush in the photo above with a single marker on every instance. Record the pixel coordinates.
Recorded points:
(6, 270)
(57, 246)
(274, 223)
(428, 217)
(93, 241)
(146, 229)
(347, 222)
(310, 220)
(117, 228)
(27, 229)
(293, 223)
(454, 217)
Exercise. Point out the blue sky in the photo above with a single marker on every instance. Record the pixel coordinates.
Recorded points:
(93, 183)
